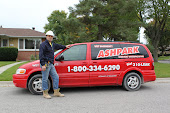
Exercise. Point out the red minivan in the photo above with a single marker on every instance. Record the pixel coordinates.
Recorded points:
(93, 64)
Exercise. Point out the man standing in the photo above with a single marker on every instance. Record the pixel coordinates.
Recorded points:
(46, 56)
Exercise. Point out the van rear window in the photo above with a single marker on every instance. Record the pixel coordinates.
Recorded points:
(140, 53)
(117, 51)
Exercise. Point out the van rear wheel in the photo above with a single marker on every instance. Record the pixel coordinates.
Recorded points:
(132, 82)
(35, 84)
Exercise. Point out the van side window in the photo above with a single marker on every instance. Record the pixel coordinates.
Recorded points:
(77, 52)
(100, 51)
(140, 51)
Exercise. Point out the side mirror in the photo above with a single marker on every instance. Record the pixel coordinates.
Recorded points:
(59, 58)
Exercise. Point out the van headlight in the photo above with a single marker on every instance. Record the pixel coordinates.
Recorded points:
(20, 71)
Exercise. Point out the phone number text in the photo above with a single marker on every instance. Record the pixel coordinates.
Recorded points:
(93, 68)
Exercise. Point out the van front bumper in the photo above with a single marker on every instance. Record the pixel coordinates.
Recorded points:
(20, 80)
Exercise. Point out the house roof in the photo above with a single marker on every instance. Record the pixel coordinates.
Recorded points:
(20, 32)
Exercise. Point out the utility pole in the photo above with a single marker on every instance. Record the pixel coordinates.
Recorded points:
(35, 48)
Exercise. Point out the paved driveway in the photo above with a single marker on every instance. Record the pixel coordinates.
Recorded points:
(164, 61)
(4, 68)
(153, 97)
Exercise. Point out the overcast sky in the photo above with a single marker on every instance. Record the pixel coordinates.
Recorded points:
(33, 13)
(30, 13)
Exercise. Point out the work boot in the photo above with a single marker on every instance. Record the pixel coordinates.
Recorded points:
(57, 93)
(46, 95)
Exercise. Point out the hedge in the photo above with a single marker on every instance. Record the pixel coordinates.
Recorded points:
(8, 53)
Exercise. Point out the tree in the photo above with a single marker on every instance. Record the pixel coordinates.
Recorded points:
(165, 41)
(67, 29)
(93, 20)
(74, 30)
(123, 24)
(55, 24)
(156, 11)
(109, 19)
(88, 12)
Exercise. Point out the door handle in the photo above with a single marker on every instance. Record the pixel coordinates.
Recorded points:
(84, 63)
(94, 63)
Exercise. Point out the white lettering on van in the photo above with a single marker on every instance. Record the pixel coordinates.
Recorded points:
(128, 64)
(103, 46)
(118, 51)
(107, 75)
(55, 64)
(137, 64)
(35, 65)
(93, 68)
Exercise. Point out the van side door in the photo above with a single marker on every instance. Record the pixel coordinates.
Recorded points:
(72, 70)
(104, 66)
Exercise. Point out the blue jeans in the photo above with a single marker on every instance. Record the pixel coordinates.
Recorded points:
(45, 74)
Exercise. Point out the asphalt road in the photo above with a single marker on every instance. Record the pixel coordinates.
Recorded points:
(153, 97)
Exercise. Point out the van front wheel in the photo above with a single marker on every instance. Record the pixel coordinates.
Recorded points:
(132, 82)
(35, 84)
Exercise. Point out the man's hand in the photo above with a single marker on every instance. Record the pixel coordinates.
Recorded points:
(67, 46)
(43, 68)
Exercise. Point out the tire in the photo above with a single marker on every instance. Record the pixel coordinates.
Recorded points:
(132, 82)
(37, 80)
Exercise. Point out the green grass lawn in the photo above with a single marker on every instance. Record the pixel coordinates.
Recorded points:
(162, 70)
(164, 58)
(3, 63)
(7, 75)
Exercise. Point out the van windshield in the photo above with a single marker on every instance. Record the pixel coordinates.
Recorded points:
(57, 51)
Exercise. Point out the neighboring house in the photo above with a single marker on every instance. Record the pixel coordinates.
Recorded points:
(166, 52)
(26, 40)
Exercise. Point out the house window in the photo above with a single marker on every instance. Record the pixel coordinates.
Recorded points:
(29, 44)
(38, 44)
(4, 42)
(21, 44)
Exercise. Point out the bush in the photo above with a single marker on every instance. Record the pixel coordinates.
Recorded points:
(32, 57)
(8, 53)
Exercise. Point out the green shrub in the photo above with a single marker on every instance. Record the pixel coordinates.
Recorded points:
(32, 57)
(37, 57)
(8, 53)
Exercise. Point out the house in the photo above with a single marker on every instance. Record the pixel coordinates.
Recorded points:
(26, 40)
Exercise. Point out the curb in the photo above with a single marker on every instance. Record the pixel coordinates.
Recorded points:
(6, 84)
(10, 83)
(162, 80)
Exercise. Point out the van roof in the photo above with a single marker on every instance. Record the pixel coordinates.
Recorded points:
(115, 42)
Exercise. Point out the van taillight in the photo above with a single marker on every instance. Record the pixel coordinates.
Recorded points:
(152, 65)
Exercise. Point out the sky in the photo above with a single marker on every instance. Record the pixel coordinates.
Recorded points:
(30, 13)
(34, 13)
(142, 35)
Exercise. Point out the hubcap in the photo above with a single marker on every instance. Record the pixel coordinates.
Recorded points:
(37, 85)
(133, 82)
